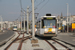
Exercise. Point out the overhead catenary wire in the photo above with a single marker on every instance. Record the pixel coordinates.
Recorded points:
(43, 5)
(40, 3)
(21, 4)
(37, 4)
(31, 4)
(24, 11)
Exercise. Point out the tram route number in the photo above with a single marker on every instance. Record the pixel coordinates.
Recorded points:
(49, 18)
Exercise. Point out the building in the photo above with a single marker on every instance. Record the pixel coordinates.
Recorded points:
(73, 18)
(62, 21)
(6, 25)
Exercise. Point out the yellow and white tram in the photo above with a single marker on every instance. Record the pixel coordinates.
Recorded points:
(46, 26)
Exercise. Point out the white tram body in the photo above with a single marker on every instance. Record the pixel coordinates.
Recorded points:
(46, 26)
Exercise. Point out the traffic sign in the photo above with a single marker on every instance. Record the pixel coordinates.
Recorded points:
(63, 25)
(64, 22)
(73, 25)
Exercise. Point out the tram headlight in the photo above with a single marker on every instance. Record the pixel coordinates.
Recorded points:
(46, 30)
(53, 30)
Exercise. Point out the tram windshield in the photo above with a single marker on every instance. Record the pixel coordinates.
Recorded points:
(50, 23)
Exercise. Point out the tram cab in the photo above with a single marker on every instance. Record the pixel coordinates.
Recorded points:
(46, 26)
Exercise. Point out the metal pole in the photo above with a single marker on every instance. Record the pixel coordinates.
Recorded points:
(17, 23)
(33, 27)
(59, 24)
(28, 19)
(21, 20)
(1, 24)
(24, 21)
(67, 17)
(70, 18)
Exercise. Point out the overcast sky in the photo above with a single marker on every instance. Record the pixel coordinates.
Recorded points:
(10, 9)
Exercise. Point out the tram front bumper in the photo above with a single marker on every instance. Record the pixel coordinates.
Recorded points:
(49, 34)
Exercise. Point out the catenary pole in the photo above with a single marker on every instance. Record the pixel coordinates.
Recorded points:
(33, 27)
(1, 24)
(28, 19)
(21, 14)
(70, 18)
(24, 21)
(67, 17)
(21, 20)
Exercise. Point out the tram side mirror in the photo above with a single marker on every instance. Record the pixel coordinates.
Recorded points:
(35, 25)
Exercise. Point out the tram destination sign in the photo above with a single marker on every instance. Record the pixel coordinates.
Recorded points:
(49, 18)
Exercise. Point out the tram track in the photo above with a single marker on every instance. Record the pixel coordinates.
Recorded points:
(57, 45)
(21, 41)
(65, 42)
(18, 40)
(62, 45)
(20, 45)
(51, 45)
(11, 43)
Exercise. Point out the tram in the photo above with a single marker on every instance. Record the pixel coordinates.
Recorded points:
(46, 26)
(14, 27)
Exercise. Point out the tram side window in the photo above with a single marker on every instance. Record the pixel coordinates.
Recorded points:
(38, 25)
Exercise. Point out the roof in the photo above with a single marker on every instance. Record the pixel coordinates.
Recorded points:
(48, 16)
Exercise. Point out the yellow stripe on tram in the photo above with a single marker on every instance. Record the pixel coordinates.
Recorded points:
(50, 29)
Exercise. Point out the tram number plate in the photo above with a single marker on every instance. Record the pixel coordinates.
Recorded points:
(49, 32)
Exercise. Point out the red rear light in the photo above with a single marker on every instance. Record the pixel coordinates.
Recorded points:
(55, 27)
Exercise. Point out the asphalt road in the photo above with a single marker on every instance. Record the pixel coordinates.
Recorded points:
(5, 35)
(67, 37)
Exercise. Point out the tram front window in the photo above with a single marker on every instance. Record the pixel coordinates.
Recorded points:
(15, 27)
(49, 23)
